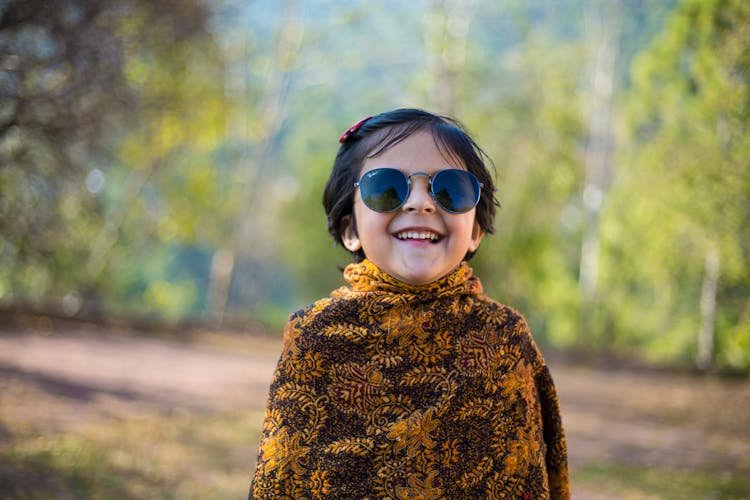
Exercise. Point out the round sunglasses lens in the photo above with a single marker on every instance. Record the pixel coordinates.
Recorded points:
(384, 189)
(456, 191)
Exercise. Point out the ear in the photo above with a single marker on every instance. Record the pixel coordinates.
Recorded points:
(477, 233)
(349, 236)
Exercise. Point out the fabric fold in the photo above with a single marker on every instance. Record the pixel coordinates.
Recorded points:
(387, 390)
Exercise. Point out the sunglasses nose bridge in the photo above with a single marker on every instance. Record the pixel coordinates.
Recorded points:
(419, 196)
(425, 174)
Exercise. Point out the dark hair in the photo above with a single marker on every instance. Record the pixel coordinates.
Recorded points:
(381, 132)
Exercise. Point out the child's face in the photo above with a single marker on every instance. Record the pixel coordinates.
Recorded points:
(414, 260)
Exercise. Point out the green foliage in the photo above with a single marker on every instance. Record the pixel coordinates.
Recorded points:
(231, 115)
(534, 135)
(684, 187)
(79, 158)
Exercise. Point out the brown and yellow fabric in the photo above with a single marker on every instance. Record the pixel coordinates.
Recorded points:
(386, 390)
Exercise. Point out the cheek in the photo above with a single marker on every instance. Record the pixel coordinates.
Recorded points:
(372, 227)
(464, 225)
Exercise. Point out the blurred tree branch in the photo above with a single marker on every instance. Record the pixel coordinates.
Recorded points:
(65, 94)
(251, 235)
(61, 68)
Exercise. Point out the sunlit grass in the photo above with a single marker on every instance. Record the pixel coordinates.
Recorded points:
(168, 456)
(201, 456)
(641, 482)
(209, 456)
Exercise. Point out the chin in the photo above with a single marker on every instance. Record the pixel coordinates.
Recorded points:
(418, 279)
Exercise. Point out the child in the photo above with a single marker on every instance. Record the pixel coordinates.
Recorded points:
(410, 382)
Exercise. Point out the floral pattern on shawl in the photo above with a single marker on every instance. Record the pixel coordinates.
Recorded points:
(387, 390)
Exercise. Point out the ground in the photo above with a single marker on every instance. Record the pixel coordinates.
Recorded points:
(65, 381)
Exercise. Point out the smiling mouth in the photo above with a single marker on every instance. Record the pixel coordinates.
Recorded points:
(419, 235)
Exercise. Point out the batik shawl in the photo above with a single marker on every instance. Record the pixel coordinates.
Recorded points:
(386, 390)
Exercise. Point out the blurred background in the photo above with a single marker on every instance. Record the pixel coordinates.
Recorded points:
(162, 163)
(166, 160)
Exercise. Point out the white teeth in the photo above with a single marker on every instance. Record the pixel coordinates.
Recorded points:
(414, 235)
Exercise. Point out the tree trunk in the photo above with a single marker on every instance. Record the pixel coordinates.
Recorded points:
(603, 22)
(222, 264)
(705, 357)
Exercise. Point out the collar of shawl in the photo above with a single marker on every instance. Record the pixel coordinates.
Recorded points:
(368, 278)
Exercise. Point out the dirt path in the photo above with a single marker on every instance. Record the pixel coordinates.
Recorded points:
(627, 417)
(647, 418)
(84, 376)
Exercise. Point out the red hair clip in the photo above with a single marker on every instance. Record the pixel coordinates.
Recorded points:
(353, 129)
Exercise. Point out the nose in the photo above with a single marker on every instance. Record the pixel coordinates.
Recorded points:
(420, 199)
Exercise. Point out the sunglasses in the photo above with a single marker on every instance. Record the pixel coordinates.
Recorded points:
(387, 189)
